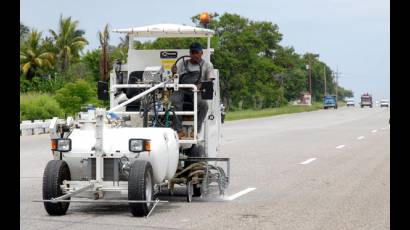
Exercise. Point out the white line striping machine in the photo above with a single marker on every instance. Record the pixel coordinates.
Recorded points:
(129, 153)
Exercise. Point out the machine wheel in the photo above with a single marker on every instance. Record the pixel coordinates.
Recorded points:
(197, 190)
(189, 191)
(140, 187)
(55, 173)
(197, 151)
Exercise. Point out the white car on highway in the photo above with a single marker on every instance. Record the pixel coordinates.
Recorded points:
(350, 102)
(384, 103)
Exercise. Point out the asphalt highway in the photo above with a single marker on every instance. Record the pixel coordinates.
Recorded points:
(326, 169)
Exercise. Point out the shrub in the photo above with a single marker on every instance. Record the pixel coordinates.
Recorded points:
(38, 106)
(25, 85)
(74, 95)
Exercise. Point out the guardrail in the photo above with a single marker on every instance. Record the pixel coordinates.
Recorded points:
(36, 127)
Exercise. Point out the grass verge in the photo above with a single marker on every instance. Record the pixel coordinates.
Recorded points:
(247, 114)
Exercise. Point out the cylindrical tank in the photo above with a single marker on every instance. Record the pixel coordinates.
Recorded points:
(163, 156)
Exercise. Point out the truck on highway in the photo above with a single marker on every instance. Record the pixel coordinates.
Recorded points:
(329, 101)
(366, 100)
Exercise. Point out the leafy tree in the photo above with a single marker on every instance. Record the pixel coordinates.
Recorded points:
(92, 60)
(24, 31)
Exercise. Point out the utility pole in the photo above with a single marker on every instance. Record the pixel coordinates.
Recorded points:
(337, 79)
(324, 73)
(310, 76)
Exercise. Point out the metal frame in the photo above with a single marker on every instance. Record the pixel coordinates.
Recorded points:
(152, 88)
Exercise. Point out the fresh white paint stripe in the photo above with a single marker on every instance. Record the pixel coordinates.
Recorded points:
(374, 130)
(361, 137)
(340, 146)
(307, 161)
(241, 193)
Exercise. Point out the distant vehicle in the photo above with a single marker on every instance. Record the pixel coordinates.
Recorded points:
(330, 101)
(366, 100)
(384, 103)
(350, 102)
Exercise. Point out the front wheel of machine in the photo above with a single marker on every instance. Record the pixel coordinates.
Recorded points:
(55, 173)
(140, 187)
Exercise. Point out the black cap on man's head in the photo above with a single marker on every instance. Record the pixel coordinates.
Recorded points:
(195, 47)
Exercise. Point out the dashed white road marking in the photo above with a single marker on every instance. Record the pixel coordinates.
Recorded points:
(340, 146)
(361, 137)
(307, 161)
(241, 193)
(374, 130)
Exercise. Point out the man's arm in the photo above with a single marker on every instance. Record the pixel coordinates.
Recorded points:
(180, 67)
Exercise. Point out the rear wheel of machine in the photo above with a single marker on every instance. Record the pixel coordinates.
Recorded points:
(140, 187)
(55, 173)
(197, 190)
(197, 151)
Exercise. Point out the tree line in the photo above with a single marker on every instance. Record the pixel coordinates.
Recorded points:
(255, 70)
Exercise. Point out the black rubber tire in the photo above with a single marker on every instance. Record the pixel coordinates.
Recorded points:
(197, 151)
(137, 187)
(55, 173)
(197, 190)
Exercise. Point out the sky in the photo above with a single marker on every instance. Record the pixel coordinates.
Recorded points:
(350, 36)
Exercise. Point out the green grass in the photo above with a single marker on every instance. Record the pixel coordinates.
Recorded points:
(38, 106)
(246, 114)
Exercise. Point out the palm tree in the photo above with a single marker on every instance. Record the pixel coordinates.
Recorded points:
(124, 44)
(69, 41)
(33, 56)
(121, 51)
(104, 36)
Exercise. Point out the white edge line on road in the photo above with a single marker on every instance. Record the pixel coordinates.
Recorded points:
(374, 130)
(241, 193)
(361, 137)
(307, 161)
(340, 146)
